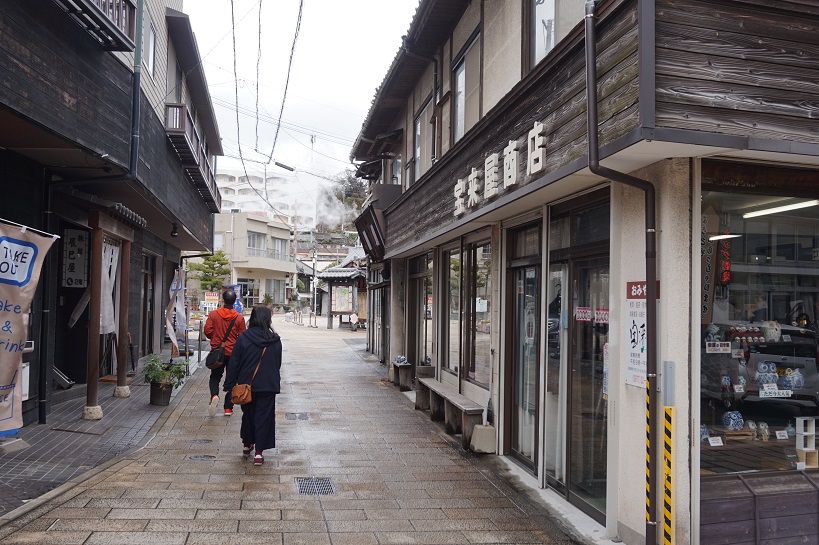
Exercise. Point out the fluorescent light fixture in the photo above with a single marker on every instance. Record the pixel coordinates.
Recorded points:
(776, 210)
(723, 237)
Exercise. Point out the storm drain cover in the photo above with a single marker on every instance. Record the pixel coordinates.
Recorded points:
(296, 416)
(320, 486)
(203, 457)
(201, 441)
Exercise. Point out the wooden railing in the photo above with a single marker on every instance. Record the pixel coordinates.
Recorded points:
(111, 22)
(120, 12)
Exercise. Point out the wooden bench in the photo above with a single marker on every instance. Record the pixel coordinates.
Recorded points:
(402, 375)
(459, 413)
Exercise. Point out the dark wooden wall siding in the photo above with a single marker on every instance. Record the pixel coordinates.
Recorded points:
(738, 68)
(161, 172)
(52, 72)
(556, 97)
(774, 509)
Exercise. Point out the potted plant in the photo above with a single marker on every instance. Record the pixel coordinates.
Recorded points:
(267, 299)
(163, 378)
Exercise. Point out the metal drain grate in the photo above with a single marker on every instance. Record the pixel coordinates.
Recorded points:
(203, 457)
(319, 486)
(201, 441)
(295, 416)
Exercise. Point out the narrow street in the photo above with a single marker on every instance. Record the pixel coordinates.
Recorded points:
(387, 474)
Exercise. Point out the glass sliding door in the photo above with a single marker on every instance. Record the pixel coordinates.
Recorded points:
(575, 416)
(451, 326)
(422, 311)
(526, 362)
(523, 344)
(588, 398)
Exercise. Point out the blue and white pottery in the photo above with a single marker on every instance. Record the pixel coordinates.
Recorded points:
(733, 420)
(726, 381)
(766, 378)
(793, 380)
(704, 433)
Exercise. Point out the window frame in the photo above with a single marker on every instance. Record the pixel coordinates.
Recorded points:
(149, 53)
(461, 61)
(419, 136)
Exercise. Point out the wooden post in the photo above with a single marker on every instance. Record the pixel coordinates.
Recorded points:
(122, 389)
(92, 410)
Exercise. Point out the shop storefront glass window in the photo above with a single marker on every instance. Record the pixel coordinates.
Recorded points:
(249, 291)
(550, 22)
(759, 316)
(478, 362)
(422, 309)
(451, 329)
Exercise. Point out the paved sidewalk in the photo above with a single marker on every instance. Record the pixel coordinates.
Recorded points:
(394, 475)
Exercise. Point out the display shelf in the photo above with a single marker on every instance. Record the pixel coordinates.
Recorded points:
(805, 441)
(809, 456)
(806, 425)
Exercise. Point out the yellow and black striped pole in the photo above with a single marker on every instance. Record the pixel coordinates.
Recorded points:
(668, 466)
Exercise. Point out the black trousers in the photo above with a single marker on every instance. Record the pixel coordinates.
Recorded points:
(215, 378)
(259, 421)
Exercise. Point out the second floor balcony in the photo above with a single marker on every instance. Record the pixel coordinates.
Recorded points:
(192, 151)
(112, 23)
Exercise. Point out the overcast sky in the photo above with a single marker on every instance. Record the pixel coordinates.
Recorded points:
(343, 51)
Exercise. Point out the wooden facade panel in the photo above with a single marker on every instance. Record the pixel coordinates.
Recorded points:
(739, 17)
(555, 98)
(806, 503)
(705, 119)
(715, 512)
(795, 526)
(51, 72)
(738, 69)
(728, 533)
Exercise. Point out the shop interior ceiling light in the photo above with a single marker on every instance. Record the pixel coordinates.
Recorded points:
(777, 209)
(722, 237)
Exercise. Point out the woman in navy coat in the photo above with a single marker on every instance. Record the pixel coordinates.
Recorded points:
(258, 345)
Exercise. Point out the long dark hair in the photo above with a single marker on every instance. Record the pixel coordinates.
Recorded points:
(262, 317)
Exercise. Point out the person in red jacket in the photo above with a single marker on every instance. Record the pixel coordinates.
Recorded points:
(215, 328)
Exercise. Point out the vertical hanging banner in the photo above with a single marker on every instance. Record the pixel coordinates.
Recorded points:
(176, 309)
(22, 251)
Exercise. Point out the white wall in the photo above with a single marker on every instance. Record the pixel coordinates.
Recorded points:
(502, 50)
(627, 417)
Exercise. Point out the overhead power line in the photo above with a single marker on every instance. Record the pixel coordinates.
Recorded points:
(287, 81)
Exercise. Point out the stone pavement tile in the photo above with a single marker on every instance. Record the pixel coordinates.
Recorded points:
(507, 537)
(152, 514)
(358, 504)
(126, 503)
(343, 514)
(176, 503)
(390, 494)
(241, 495)
(389, 514)
(516, 525)
(96, 525)
(427, 525)
(280, 504)
(204, 487)
(369, 526)
(283, 526)
(258, 538)
(433, 503)
(305, 538)
(471, 493)
(95, 493)
(354, 538)
(493, 502)
(79, 513)
(143, 538)
(239, 514)
(266, 487)
(484, 513)
(425, 538)
(199, 525)
(159, 493)
(51, 538)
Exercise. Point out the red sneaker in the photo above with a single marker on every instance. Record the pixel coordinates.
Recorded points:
(258, 459)
(228, 412)
(246, 451)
